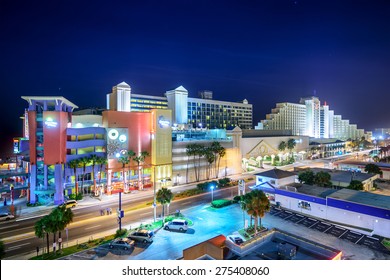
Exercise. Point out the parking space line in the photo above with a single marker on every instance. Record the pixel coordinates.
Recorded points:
(301, 220)
(343, 233)
(299, 215)
(289, 216)
(359, 239)
(326, 224)
(312, 219)
(372, 238)
(327, 229)
(339, 228)
(354, 232)
(314, 223)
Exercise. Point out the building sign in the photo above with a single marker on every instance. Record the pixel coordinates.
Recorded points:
(163, 122)
(117, 142)
(50, 123)
(16, 145)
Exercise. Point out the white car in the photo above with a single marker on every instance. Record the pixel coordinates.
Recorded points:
(177, 224)
(6, 216)
(235, 239)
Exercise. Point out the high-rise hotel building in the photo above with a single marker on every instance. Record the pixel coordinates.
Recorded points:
(310, 118)
(203, 112)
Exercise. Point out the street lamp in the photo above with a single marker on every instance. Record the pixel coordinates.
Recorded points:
(212, 192)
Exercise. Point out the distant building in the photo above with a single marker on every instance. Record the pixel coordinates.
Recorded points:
(203, 112)
(364, 211)
(309, 117)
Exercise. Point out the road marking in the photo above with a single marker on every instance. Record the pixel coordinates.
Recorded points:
(354, 232)
(343, 233)
(339, 227)
(328, 229)
(326, 224)
(93, 227)
(300, 220)
(312, 219)
(299, 215)
(314, 223)
(188, 202)
(16, 247)
(359, 239)
(373, 238)
(9, 226)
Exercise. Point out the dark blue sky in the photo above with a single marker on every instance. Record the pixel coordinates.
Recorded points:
(264, 51)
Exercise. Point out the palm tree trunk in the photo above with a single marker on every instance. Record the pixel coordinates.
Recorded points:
(75, 181)
(219, 161)
(59, 243)
(188, 159)
(54, 241)
(47, 242)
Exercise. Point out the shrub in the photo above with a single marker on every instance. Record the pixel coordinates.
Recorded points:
(220, 203)
(201, 186)
(237, 199)
(33, 204)
(78, 197)
(120, 233)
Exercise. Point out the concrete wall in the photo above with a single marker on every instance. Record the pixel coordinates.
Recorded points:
(316, 209)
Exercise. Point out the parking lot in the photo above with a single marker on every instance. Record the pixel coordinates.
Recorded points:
(208, 222)
(335, 230)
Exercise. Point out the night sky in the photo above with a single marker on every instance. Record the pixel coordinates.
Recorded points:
(265, 51)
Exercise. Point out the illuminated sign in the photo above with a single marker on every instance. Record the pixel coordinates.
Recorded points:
(16, 146)
(122, 138)
(50, 123)
(162, 122)
(113, 134)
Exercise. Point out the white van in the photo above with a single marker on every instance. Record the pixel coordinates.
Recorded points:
(181, 225)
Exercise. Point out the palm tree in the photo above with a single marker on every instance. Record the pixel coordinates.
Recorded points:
(124, 160)
(66, 217)
(140, 159)
(221, 154)
(210, 157)
(200, 151)
(84, 161)
(130, 155)
(190, 152)
(291, 145)
(164, 196)
(256, 206)
(101, 161)
(144, 154)
(282, 146)
(39, 228)
(215, 146)
(93, 159)
(74, 164)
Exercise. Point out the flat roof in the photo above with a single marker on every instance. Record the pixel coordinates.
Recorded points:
(366, 198)
(276, 173)
(313, 190)
(52, 100)
(356, 162)
(344, 176)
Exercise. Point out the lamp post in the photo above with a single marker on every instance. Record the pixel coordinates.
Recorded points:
(212, 193)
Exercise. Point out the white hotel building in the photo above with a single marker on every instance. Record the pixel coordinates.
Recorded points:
(204, 112)
(310, 118)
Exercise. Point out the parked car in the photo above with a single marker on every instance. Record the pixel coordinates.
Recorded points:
(235, 239)
(142, 235)
(6, 216)
(177, 224)
(70, 203)
(123, 243)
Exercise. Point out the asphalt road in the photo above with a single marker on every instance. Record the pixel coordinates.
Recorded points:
(20, 239)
